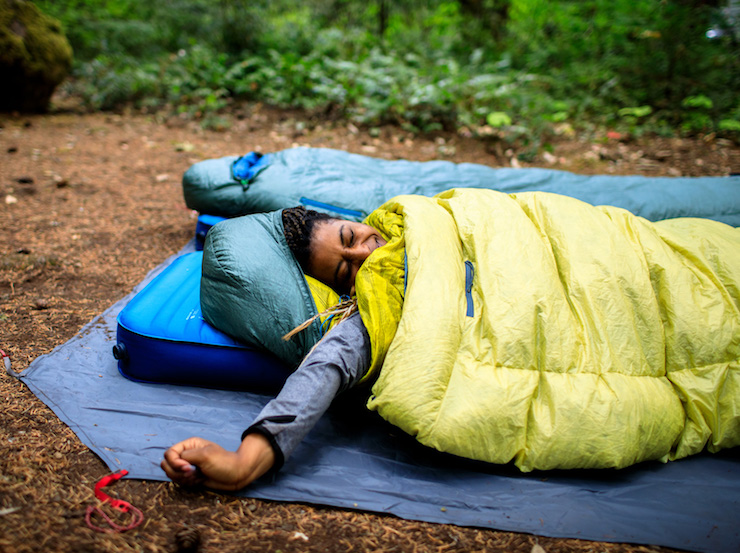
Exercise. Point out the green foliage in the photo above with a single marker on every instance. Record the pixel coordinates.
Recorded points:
(636, 113)
(696, 117)
(699, 102)
(498, 119)
(632, 119)
(637, 65)
(106, 83)
(627, 52)
(730, 125)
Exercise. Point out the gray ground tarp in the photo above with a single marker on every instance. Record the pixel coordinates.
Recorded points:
(354, 460)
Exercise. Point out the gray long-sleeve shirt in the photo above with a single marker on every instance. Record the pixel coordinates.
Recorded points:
(337, 363)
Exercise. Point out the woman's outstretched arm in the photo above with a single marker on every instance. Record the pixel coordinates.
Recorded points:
(336, 364)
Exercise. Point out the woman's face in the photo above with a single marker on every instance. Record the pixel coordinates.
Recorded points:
(338, 248)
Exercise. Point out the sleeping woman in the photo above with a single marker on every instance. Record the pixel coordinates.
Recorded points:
(331, 250)
(528, 328)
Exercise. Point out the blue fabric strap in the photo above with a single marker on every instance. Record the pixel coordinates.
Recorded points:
(247, 167)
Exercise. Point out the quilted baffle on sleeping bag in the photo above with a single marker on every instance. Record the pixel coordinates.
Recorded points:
(538, 329)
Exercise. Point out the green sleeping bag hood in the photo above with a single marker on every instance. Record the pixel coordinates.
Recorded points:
(254, 290)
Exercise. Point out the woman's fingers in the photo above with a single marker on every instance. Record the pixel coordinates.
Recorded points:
(216, 467)
(186, 475)
(178, 468)
(203, 454)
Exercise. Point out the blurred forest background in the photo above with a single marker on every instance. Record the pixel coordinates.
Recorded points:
(522, 70)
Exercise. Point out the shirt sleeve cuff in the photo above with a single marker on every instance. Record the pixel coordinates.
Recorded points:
(279, 457)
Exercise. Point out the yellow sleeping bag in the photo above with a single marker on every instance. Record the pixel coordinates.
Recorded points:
(539, 329)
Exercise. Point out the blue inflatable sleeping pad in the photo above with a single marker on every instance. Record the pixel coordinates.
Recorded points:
(163, 338)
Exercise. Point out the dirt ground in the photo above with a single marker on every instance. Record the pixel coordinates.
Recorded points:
(89, 203)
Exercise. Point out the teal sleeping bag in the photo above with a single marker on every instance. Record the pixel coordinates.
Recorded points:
(351, 185)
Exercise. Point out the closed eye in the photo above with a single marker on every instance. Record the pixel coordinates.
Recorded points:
(345, 240)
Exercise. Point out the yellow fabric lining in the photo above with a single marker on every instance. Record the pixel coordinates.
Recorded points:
(379, 284)
(324, 298)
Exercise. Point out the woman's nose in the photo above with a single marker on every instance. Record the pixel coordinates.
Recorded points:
(356, 258)
(359, 254)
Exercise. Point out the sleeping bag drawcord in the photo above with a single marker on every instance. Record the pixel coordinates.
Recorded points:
(344, 309)
(6, 362)
(124, 506)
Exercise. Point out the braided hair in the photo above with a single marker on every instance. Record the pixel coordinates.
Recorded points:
(298, 227)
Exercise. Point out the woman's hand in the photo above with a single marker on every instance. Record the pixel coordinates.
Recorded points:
(198, 461)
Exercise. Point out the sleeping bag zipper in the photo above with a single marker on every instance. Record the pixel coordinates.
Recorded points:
(333, 208)
(405, 271)
(469, 273)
